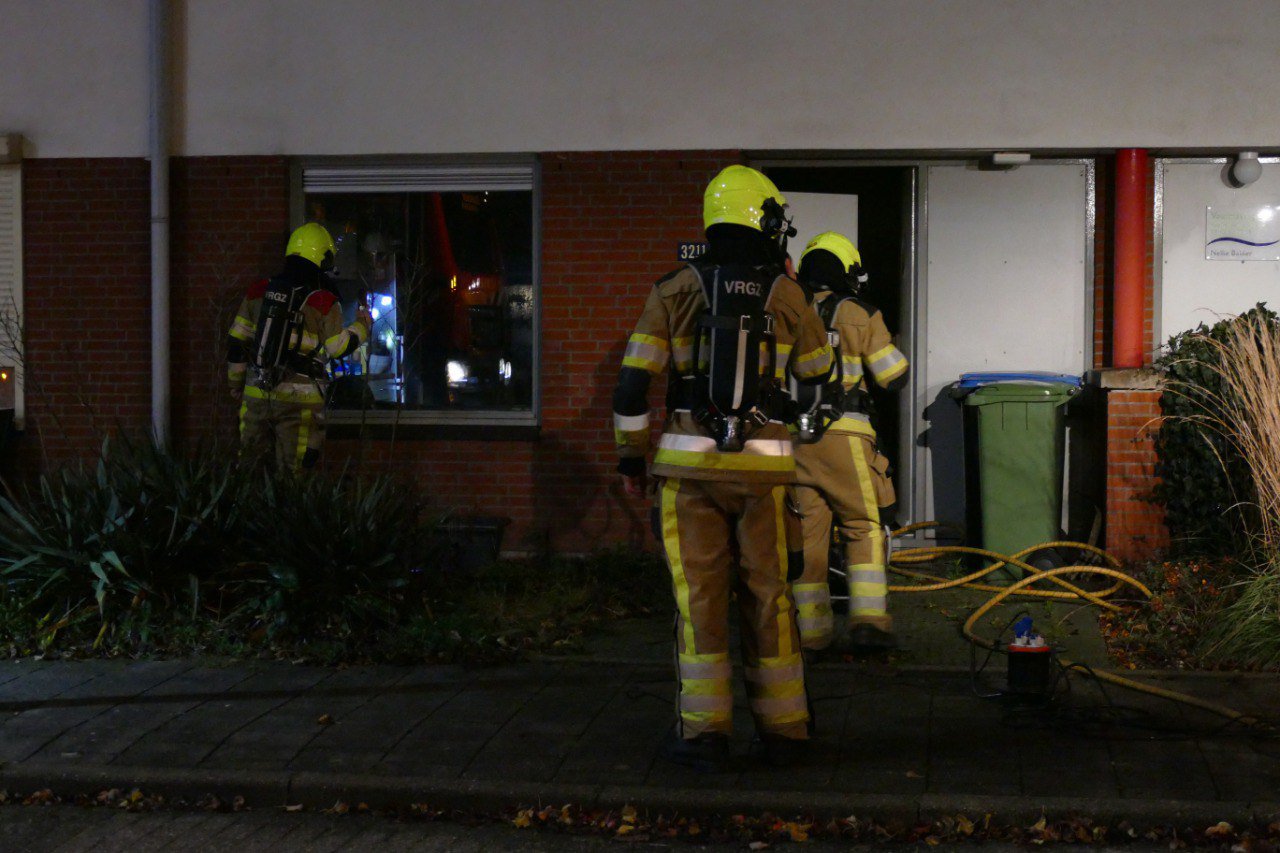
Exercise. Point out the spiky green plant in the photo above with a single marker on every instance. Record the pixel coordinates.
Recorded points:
(139, 523)
(337, 552)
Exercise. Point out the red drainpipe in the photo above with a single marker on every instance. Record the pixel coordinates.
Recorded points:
(1130, 287)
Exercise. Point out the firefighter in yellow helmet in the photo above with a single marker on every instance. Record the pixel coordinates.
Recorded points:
(727, 328)
(840, 471)
(286, 330)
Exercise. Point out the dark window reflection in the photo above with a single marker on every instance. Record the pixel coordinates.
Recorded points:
(448, 278)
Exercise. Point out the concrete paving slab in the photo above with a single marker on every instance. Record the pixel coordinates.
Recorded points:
(900, 739)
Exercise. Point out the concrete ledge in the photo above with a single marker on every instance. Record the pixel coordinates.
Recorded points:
(321, 790)
(1125, 379)
(1140, 812)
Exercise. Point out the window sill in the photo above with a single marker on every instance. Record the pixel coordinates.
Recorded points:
(442, 426)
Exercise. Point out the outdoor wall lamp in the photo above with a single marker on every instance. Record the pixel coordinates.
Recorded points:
(1245, 170)
(1010, 159)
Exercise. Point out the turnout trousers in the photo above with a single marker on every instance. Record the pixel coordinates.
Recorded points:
(842, 477)
(285, 433)
(722, 538)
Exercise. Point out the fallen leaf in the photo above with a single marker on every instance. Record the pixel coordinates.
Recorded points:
(797, 832)
(324, 720)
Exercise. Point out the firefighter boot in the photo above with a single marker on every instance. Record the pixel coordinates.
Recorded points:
(865, 638)
(780, 752)
(706, 753)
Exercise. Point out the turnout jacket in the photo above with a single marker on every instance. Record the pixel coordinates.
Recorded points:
(664, 340)
(866, 349)
(323, 337)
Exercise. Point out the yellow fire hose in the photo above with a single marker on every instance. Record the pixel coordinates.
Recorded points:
(1022, 587)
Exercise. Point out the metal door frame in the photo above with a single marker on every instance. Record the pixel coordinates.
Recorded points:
(915, 293)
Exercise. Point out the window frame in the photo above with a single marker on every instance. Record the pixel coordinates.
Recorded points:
(439, 174)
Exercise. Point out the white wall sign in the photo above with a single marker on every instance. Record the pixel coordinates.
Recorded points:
(1242, 233)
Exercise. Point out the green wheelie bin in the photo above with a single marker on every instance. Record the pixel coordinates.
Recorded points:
(1015, 437)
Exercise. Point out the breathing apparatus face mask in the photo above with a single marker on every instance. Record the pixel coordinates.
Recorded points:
(776, 225)
(855, 279)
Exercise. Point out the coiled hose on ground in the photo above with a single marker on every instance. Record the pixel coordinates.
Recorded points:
(1032, 585)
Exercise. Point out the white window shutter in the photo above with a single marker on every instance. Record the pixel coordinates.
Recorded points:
(11, 317)
(452, 177)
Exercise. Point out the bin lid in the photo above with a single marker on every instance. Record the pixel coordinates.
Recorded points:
(1054, 393)
(977, 380)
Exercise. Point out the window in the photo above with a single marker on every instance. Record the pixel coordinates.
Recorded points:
(444, 256)
(11, 398)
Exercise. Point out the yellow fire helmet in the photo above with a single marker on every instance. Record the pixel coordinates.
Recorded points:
(313, 242)
(840, 246)
(738, 196)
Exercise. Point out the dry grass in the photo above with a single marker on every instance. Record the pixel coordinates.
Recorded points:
(1248, 414)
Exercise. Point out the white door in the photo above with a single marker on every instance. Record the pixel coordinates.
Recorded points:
(1005, 285)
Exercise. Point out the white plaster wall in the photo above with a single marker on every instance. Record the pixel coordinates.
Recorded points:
(381, 76)
(73, 76)
(1194, 290)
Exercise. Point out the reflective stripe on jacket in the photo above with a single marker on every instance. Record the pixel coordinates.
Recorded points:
(866, 349)
(663, 340)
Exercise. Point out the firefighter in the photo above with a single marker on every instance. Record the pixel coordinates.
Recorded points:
(282, 399)
(721, 497)
(842, 473)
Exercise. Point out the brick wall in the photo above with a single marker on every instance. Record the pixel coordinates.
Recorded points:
(610, 226)
(230, 221)
(1103, 259)
(1135, 526)
(86, 255)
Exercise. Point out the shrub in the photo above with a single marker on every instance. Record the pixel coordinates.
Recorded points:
(138, 524)
(1249, 370)
(148, 551)
(143, 534)
(1206, 485)
(336, 552)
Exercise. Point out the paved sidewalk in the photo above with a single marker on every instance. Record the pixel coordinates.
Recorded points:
(900, 743)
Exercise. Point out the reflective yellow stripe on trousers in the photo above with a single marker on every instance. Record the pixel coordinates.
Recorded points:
(868, 585)
(705, 702)
(813, 611)
(776, 689)
(304, 433)
(784, 604)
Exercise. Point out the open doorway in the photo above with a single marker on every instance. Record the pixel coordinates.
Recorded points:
(873, 205)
